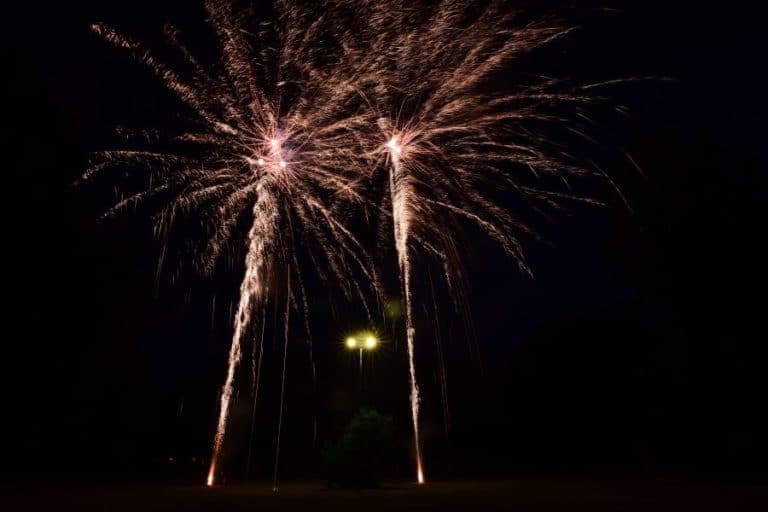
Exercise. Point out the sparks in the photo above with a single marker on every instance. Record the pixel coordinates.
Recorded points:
(464, 144)
(238, 170)
(401, 188)
(377, 95)
(394, 146)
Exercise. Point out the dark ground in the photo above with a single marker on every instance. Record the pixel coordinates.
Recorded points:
(589, 494)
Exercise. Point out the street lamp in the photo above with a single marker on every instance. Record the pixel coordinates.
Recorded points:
(364, 342)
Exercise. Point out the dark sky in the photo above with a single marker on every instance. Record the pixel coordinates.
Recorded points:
(638, 346)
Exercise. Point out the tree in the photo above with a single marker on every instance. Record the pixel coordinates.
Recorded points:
(358, 458)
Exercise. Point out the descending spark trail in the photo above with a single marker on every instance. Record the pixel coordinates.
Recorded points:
(251, 293)
(275, 488)
(400, 188)
(256, 380)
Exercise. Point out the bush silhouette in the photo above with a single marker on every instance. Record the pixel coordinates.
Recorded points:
(363, 451)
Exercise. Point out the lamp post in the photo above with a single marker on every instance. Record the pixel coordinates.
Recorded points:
(366, 342)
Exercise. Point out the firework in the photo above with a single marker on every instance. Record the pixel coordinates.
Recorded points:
(289, 161)
(307, 109)
(400, 187)
(456, 148)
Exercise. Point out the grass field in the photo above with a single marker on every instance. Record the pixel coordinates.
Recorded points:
(518, 494)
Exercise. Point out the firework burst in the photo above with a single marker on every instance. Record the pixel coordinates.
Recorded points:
(288, 161)
(304, 112)
(456, 146)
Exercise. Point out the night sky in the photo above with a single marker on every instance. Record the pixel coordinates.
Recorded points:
(639, 346)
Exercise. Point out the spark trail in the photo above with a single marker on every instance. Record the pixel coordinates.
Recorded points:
(400, 188)
(251, 293)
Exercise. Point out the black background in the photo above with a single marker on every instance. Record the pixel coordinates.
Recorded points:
(638, 347)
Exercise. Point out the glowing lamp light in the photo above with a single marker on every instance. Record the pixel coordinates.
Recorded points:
(364, 341)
